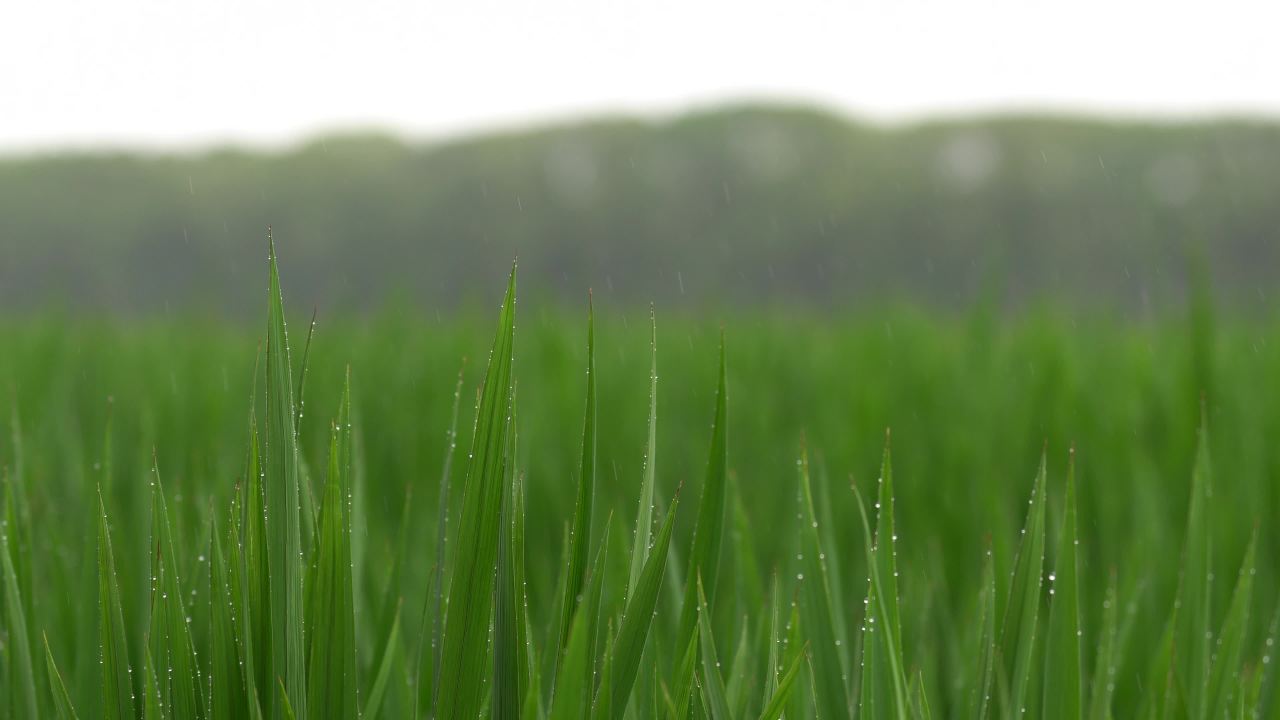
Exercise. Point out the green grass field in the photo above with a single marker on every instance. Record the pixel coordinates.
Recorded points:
(733, 536)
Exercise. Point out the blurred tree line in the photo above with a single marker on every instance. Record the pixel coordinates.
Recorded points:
(732, 206)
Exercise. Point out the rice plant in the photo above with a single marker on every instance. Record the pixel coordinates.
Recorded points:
(274, 582)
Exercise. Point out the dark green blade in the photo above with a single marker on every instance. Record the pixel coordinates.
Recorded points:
(283, 512)
(463, 659)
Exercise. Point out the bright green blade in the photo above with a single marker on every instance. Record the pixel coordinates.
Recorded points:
(62, 707)
(1063, 683)
(580, 532)
(1224, 688)
(170, 645)
(777, 703)
(255, 592)
(227, 697)
(283, 512)
(571, 698)
(1022, 611)
(644, 511)
(629, 646)
(17, 647)
(466, 638)
(708, 532)
(713, 691)
(508, 691)
(427, 692)
(332, 673)
(117, 687)
(884, 687)
(817, 611)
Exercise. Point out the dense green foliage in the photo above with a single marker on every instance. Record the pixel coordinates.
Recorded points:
(731, 205)
(193, 544)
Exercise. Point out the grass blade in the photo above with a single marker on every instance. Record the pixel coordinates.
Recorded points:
(1224, 686)
(1063, 684)
(332, 674)
(637, 619)
(62, 706)
(580, 532)
(117, 686)
(471, 589)
(22, 684)
(782, 693)
(508, 690)
(712, 683)
(283, 513)
(171, 647)
(644, 512)
(708, 532)
(1192, 632)
(1022, 612)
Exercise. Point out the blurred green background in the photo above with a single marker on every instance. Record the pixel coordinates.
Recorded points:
(744, 205)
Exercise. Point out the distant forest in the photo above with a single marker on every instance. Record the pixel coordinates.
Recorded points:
(732, 207)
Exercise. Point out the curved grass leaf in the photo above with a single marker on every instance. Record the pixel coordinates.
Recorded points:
(62, 706)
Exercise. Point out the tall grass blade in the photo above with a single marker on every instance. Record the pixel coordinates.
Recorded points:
(713, 690)
(1022, 611)
(508, 690)
(580, 532)
(644, 512)
(117, 685)
(708, 532)
(637, 619)
(227, 696)
(171, 647)
(22, 700)
(283, 511)
(817, 610)
(1192, 638)
(470, 607)
(332, 673)
(986, 652)
(1102, 686)
(781, 694)
(1226, 674)
(1063, 683)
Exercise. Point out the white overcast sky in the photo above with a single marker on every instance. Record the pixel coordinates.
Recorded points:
(166, 73)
